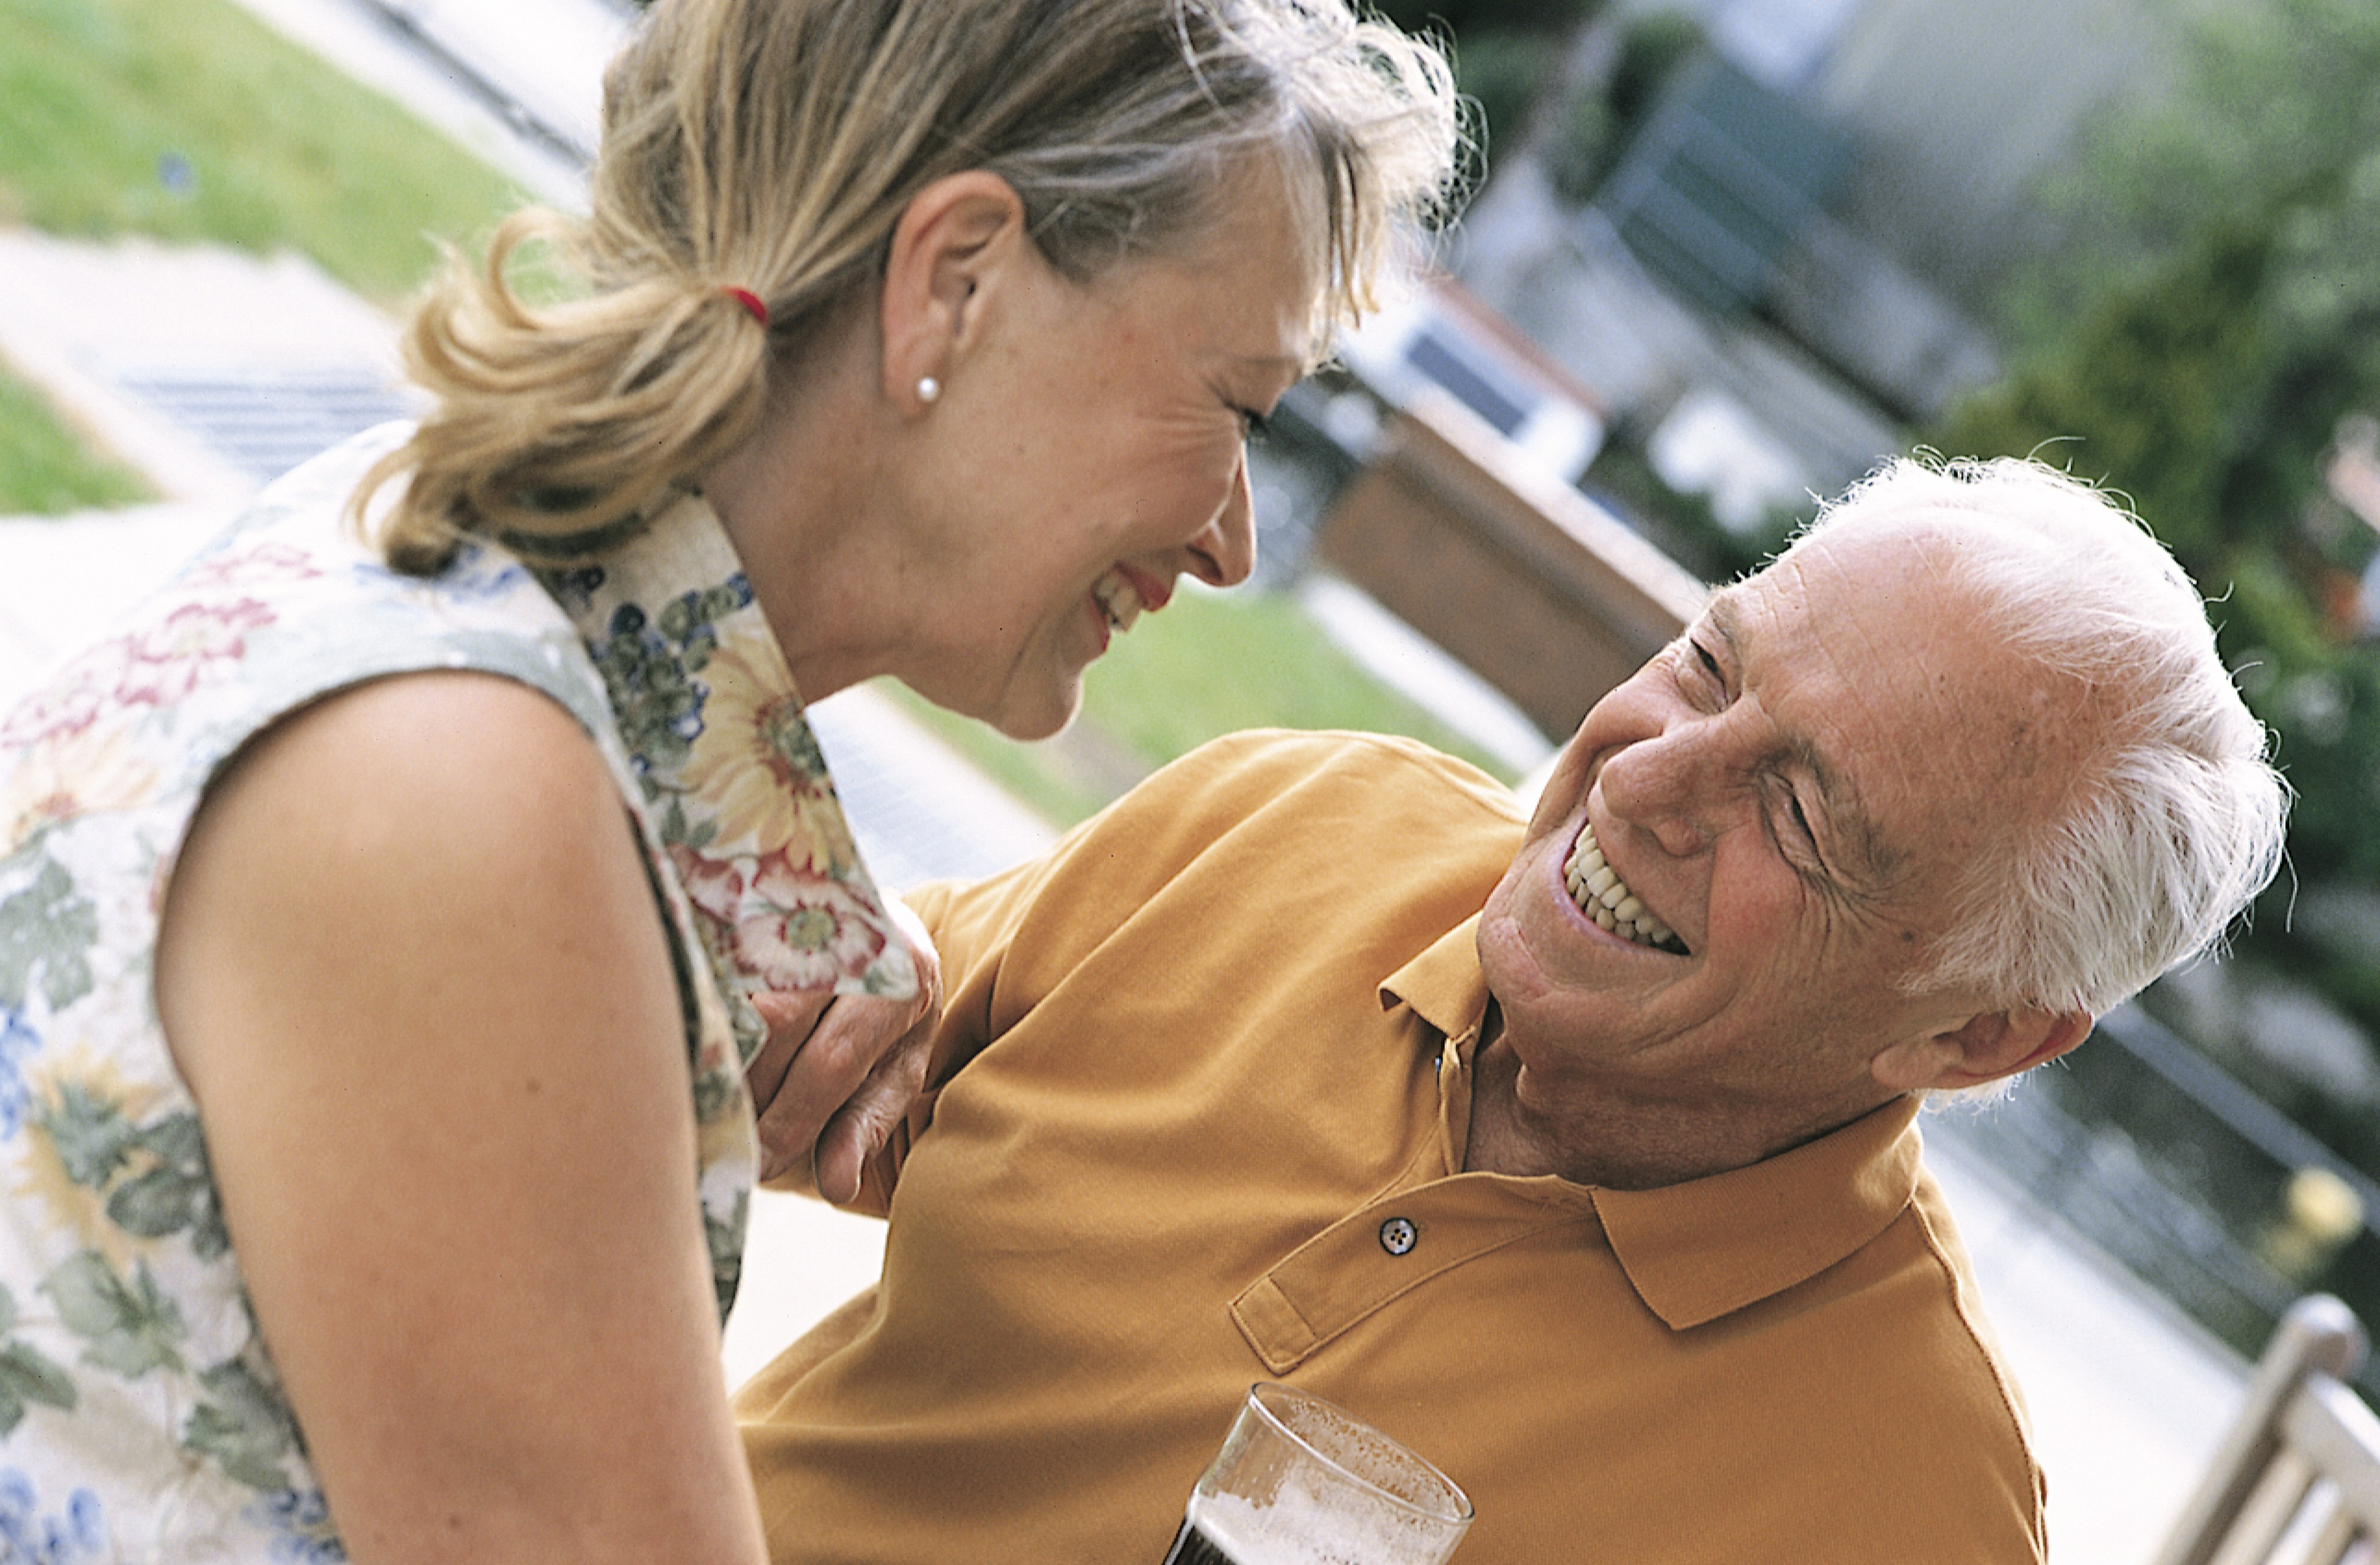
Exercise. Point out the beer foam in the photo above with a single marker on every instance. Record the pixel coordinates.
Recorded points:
(1300, 1528)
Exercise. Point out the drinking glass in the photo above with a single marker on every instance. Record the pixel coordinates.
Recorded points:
(1303, 1482)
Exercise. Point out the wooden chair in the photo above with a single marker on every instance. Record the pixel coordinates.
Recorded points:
(2297, 1480)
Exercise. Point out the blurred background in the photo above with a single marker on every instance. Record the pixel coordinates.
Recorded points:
(1719, 256)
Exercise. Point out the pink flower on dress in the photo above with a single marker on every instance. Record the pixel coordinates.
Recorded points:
(71, 701)
(260, 563)
(799, 930)
(714, 885)
(167, 661)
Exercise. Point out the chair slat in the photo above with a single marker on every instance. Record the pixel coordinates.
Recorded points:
(2282, 1441)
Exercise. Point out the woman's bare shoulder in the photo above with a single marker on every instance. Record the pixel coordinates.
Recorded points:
(450, 825)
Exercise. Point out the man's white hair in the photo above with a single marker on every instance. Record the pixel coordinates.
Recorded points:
(2175, 820)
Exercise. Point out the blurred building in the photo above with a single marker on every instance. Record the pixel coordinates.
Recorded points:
(1792, 260)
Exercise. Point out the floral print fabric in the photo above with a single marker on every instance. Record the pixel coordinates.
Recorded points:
(141, 1418)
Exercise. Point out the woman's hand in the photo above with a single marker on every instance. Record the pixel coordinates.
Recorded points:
(840, 1071)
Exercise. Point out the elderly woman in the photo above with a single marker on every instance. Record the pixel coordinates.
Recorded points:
(387, 912)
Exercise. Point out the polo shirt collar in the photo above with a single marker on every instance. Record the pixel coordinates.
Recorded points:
(1443, 984)
(1707, 1247)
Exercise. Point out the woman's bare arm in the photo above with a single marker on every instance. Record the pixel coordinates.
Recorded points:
(414, 974)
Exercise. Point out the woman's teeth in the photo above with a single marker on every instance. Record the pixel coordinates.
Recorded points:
(1118, 599)
(1602, 896)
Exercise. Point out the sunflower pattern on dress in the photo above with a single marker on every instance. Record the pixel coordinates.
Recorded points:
(738, 783)
(141, 1416)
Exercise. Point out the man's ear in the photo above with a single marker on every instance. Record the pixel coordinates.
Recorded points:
(951, 248)
(1984, 1048)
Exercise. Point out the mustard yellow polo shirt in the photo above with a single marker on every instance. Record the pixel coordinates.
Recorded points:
(1207, 1092)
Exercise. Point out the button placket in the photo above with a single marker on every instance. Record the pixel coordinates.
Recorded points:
(1369, 1258)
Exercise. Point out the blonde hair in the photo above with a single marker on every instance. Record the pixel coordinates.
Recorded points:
(771, 145)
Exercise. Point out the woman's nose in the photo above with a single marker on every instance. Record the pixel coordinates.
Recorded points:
(1224, 552)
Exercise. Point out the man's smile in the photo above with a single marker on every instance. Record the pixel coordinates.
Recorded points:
(1604, 897)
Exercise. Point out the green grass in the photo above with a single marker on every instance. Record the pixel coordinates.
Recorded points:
(100, 98)
(1211, 664)
(45, 468)
(1042, 777)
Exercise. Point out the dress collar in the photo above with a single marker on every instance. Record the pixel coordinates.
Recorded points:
(738, 786)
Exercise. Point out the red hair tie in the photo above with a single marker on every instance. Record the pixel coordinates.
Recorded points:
(750, 301)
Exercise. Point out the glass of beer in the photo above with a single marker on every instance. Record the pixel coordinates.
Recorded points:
(1302, 1482)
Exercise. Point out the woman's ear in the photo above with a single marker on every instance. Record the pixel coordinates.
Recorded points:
(951, 250)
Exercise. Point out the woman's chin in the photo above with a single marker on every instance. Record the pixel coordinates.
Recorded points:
(1038, 714)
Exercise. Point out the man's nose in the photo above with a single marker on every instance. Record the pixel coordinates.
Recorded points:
(1661, 785)
(1224, 552)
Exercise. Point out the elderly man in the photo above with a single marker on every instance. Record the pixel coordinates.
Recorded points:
(1578, 1154)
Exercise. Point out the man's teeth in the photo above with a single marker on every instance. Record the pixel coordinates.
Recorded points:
(1602, 896)
(1118, 599)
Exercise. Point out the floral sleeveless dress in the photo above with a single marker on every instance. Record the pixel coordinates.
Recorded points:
(141, 1418)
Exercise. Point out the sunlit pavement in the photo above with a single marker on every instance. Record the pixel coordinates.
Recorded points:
(2127, 1399)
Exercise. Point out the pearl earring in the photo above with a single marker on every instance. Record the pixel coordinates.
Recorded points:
(928, 388)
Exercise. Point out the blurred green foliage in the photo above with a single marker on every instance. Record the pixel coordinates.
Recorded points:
(2211, 318)
(1595, 128)
(148, 116)
(1506, 54)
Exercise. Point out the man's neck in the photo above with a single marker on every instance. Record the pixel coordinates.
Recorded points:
(1617, 1143)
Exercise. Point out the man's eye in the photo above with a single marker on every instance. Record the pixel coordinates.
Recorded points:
(1798, 839)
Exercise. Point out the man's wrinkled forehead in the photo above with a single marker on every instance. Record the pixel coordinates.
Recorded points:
(1869, 860)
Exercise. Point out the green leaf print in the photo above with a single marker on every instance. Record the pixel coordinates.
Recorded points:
(97, 1145)
(27, 1376)
(244, 1427)
(51, 928)
(160, 1202)
(176, 1194)
(686, 621)
(91, 1135)
(714, 1091)
(675, 827)
(658, 707)
(131, 1328)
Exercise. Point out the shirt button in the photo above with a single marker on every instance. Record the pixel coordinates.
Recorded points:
(1397, 1235)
